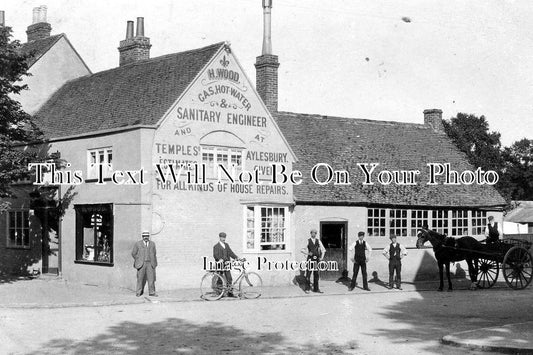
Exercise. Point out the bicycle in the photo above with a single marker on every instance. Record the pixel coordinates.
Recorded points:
(214, 285)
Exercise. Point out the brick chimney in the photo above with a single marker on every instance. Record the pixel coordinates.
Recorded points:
(133, 49)
(2, 18)
(267, 65)
(433, 119)
(39, 28)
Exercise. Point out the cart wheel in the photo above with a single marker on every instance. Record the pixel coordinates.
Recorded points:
(212, 286)
(251, 285)
(517, 268)
(488, 271)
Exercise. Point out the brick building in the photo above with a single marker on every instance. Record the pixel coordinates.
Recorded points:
(198, 108)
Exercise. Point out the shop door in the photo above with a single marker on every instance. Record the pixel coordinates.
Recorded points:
(50, 251)
(333, 236)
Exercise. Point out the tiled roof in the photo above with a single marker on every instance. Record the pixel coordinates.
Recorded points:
(523, 213)
(344, 142)
(39, 47)
(133, 94)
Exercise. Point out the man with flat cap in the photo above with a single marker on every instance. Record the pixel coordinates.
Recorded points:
(223, 253)
(145, 261)
(361, 256)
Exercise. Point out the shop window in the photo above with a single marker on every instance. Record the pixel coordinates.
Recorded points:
(479, 221)
(418, 219)
(376, 222)
(97, 159)
(398, 222)
(439, 221)
(18, 229)
(459, 223)
(266, 228)
(229, 158)
(94, 233)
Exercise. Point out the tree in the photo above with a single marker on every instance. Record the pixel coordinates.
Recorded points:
(483, 148)
(471, 135)
(518, 171)
(16, 126)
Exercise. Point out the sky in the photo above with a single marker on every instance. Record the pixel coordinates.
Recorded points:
(379, 60)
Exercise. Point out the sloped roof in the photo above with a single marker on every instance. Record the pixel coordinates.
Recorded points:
(523, 213)
(134, 94)
(39, 47)
(344, 142)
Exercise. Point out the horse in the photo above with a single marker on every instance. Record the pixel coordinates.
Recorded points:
(448, 249)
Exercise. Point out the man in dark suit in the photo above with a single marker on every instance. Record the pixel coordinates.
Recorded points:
(145, 257)
(223, 253)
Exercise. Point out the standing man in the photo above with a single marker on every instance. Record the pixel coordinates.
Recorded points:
(144, 254)
(362, 251)
(315, 252)
(223, 253)
(395, 252)
(492, 231)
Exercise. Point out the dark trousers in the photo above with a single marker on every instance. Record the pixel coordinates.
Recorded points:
(316, 277)
(356, 266)
(146, 272)
(395, 265)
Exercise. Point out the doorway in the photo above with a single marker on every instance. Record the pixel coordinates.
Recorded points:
(50, 251)
(333, 236)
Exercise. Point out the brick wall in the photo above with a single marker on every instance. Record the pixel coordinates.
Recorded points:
(267, 80)
(134, 49)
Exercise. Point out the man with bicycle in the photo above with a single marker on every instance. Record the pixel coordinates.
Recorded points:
(223, 254)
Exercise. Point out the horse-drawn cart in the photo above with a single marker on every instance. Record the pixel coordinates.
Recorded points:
(484, 259)
(515, 260)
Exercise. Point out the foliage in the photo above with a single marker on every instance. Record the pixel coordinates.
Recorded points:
(471, 135)
(16, 126)
(518, 172)
(48, 208)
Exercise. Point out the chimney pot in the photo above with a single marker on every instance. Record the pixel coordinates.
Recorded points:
(42, 13)
(140, 27)
(35, 15)
(129, 29)
(433, 119)
(2, 18)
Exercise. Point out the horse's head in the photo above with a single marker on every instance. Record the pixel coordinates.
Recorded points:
(423, 236)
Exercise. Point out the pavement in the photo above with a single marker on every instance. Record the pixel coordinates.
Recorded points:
(54, 292)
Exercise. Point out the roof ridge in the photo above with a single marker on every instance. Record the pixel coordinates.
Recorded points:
(153, 60)
(366, 120)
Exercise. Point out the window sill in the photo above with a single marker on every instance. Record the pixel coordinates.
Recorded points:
(267, 252)
(18, 247)
(92, 263)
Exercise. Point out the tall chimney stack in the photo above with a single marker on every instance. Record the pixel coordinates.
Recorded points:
(140, 27)
(267, 64)
(129, 29)
(2, 18)
(39, 29)
(133, 49)
(433, 119)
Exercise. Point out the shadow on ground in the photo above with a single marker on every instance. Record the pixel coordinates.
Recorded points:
(14, 278)
(175, 335)
(432, 315)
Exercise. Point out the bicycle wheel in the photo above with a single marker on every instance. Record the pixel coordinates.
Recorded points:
(212, 286)
(251, 285)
